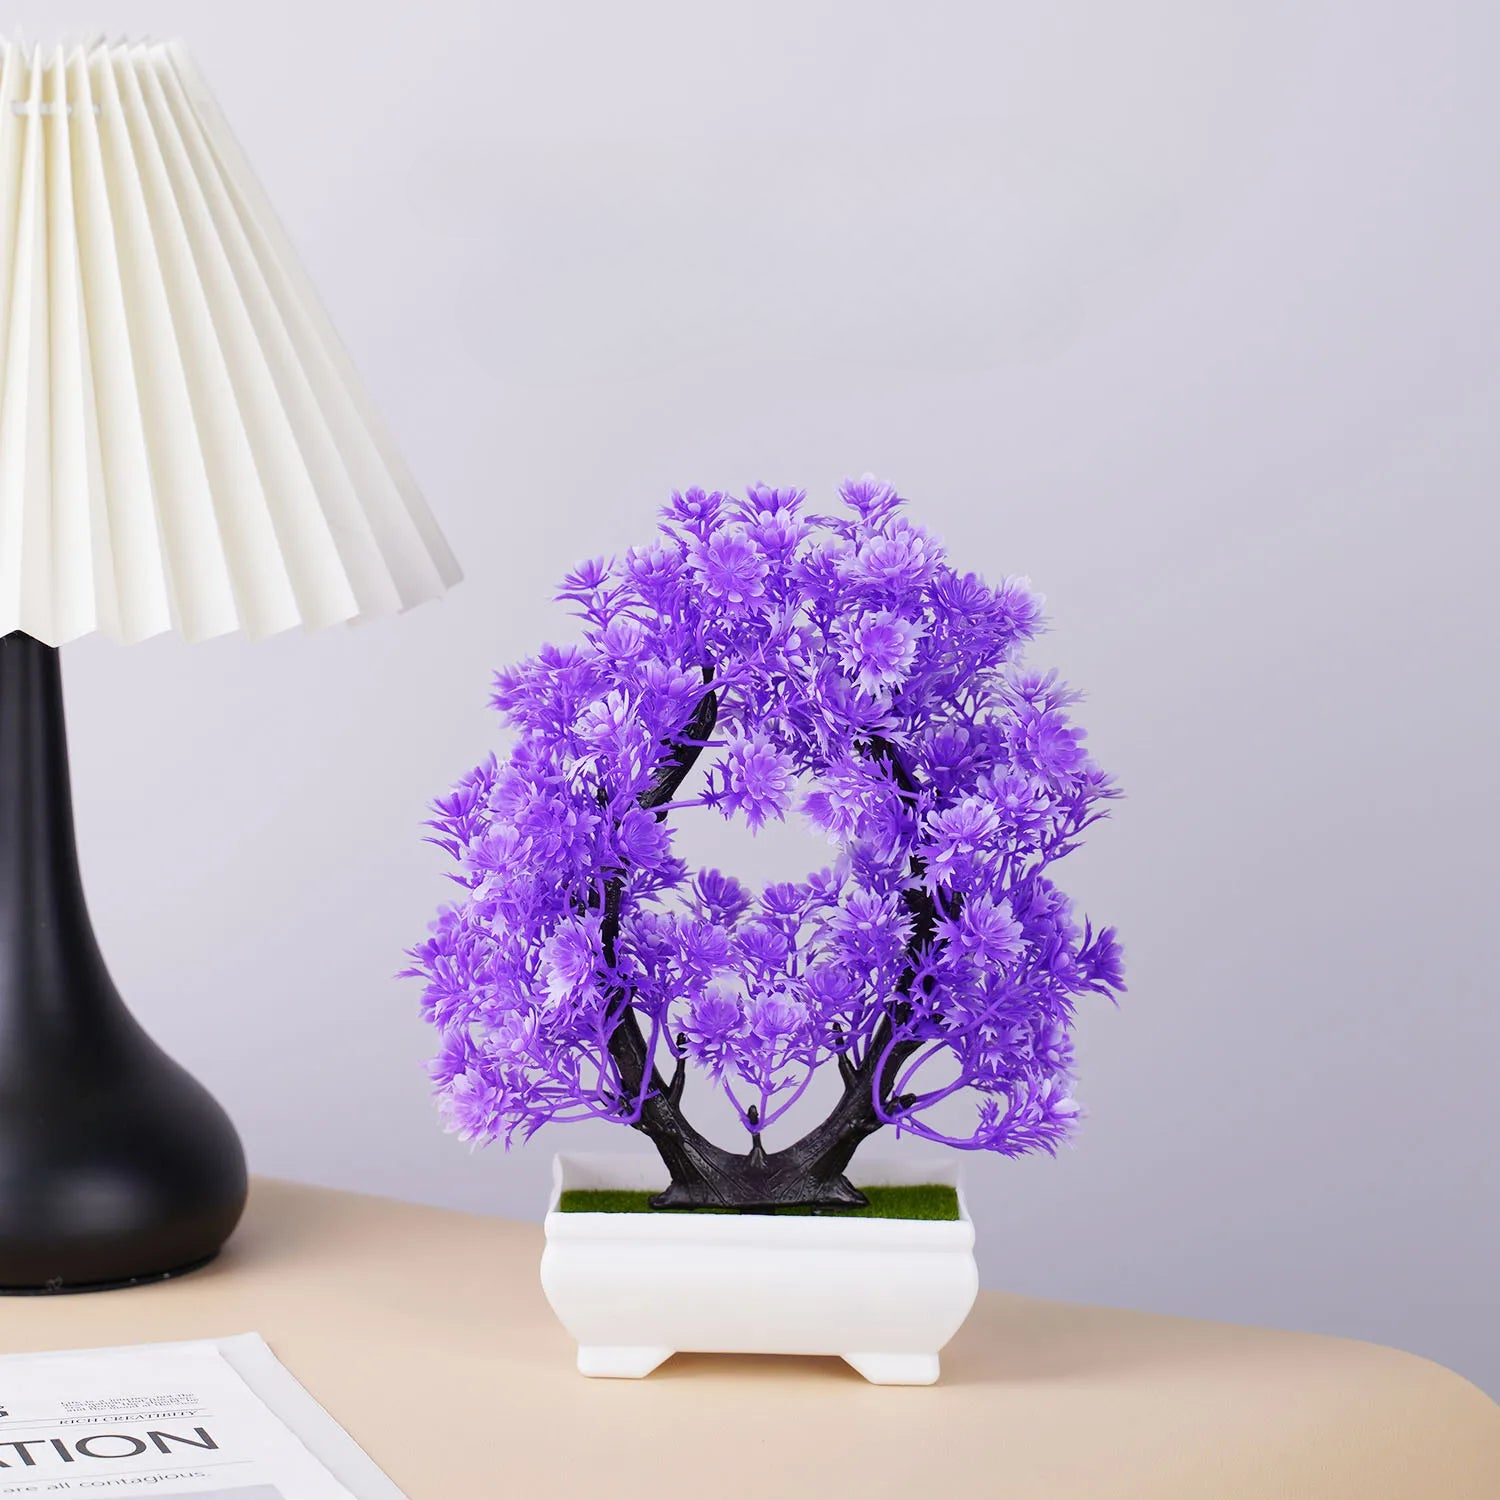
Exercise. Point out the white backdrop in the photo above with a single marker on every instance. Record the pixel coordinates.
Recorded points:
(1186, 308)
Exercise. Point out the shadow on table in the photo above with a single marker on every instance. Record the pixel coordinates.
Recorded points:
(1017, 1341)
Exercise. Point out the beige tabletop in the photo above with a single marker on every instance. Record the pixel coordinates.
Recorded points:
(426, 1334)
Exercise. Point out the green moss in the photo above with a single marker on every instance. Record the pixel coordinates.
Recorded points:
(927, 1200)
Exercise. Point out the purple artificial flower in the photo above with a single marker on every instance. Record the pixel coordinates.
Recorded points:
(705, 947)
(902, 558)
(695, 509)
(722, 898)
(730, 567)
(570, 957)
(1103, 960)
(765, 499)
(763, 943)
(713, 1023)
(473, 1104)
(785, 899)
(752, 648)
(454, 1059)
(838, 807)
(1018, 608)
(645, 841)
(1020, 802)
(966, 598)
(714, 1016)
(776, 533)
(879, 649)
(623, 639)
(946, 752)
(985, 930)
(871, 930)
(959, 833)
(776, 1019)
(1047, 743)
(494, 852)
(586, 579)
(514, 1037)
(831, 987)
(656, 571)
(758, 781)
(871, 499)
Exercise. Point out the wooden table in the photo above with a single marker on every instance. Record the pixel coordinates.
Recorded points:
(426, 1334)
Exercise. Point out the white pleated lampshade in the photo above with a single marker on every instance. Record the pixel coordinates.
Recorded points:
(184, 443)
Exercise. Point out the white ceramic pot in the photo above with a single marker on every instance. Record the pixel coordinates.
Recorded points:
(634, 1289)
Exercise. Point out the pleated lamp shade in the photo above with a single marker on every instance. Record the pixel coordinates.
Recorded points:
(184, 443)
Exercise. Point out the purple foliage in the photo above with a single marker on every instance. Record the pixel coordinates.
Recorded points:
(860, 680)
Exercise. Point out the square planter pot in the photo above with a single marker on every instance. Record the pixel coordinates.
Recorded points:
(634, 1289)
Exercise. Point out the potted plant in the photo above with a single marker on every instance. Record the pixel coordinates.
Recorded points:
(755, 660)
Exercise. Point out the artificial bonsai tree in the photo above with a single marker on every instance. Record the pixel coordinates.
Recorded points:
(753, 660)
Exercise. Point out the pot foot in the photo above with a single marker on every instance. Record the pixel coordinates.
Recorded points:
(896, 1369)
(620, 1361)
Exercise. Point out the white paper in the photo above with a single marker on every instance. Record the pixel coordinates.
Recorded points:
(213, 1420)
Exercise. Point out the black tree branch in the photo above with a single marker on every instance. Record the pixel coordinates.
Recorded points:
(810, 1171)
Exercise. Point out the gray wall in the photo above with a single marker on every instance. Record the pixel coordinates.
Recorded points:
(1189, 309)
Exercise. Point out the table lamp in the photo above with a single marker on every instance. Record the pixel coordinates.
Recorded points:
(184, 446)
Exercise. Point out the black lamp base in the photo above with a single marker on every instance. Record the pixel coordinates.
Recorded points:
(116, 1167)
(107, 1286)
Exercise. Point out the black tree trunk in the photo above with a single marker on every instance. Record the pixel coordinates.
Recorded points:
(810, 1172)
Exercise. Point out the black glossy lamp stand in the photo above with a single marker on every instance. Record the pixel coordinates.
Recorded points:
(116, 1167)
